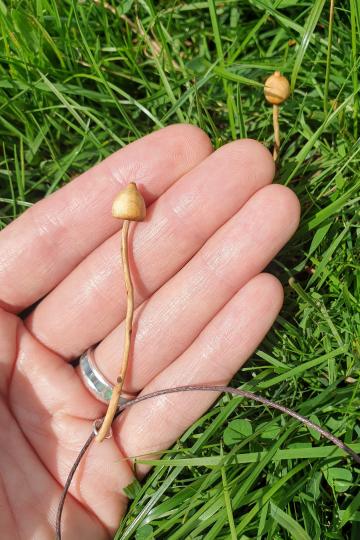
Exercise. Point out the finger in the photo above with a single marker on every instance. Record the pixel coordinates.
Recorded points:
(91, 301)
(177, 312)
(53, 409)
(214, 357)
(29, 495)
(43, 245)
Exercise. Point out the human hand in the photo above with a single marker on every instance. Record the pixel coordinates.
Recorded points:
(203, 305)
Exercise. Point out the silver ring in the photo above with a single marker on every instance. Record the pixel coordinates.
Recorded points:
(95, 381)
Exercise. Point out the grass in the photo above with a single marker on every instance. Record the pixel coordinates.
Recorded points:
(78, 79)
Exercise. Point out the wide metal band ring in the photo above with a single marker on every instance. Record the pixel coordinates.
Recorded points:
(95, 381)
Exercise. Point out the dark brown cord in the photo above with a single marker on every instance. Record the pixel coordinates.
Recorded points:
(68, 482)
(201, 388)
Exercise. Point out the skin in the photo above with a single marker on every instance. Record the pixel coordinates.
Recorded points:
(214, 222)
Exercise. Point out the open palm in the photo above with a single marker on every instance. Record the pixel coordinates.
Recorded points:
(213, 224)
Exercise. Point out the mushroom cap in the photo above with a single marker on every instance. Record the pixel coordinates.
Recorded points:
(276, 88)
(129, 204)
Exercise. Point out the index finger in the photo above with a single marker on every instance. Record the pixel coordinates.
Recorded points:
(43, 245)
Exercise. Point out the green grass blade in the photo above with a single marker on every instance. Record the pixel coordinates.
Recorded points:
(288, 522)
(309, 28)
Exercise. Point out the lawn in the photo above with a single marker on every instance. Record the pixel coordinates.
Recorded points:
(78, 80)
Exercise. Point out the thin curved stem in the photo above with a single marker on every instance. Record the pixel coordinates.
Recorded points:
(116, 393)
(276, 132)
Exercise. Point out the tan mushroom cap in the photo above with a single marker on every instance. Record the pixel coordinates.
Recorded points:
(129, 204)
(276, 88)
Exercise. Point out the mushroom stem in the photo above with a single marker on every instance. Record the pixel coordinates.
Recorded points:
(116, 393)
(276, 131)
(276, 90)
